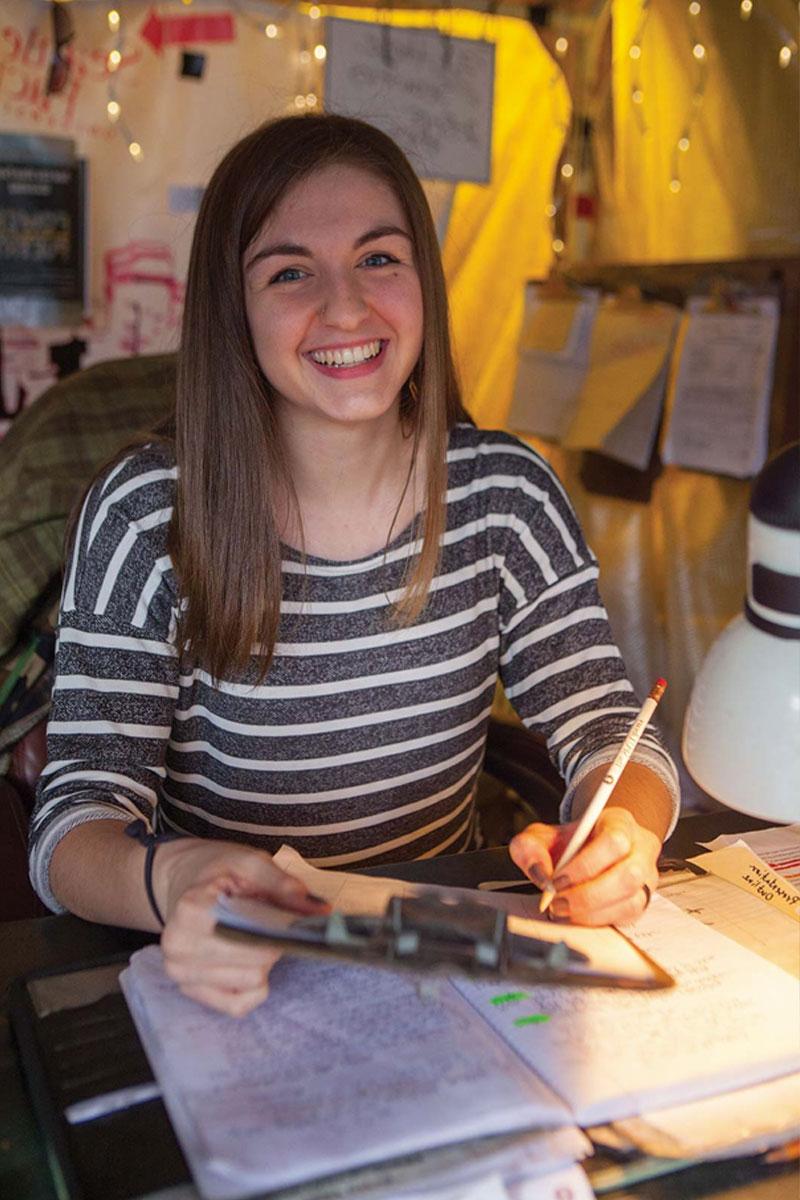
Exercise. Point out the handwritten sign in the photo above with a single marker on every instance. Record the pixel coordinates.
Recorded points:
(433, 94)
(743, 868)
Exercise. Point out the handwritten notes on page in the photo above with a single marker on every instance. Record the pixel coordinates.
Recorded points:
(719, 414)
(340, 1068)
(431, 93)
(730, 1021)
(738, 915)
(742, 867)
(553, 361)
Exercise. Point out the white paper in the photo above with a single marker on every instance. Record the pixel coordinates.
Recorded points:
(732, 1020)
(548, 383)
(720, 413)
(746, 1121)
(341, 1067)
(431, 93)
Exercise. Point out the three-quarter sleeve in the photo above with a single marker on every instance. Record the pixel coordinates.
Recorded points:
(559, 662)
(117, 669)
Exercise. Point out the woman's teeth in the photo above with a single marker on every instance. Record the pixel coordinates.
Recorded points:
(349, 357)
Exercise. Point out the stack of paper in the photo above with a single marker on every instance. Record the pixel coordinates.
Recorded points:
(348, 1067)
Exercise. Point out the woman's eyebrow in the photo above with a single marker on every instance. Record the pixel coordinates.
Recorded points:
(294, 249)
(382, 231)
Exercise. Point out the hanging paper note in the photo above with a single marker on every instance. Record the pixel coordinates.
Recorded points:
(620, 401)
(553, 360)
(432, 93)
(719, 408)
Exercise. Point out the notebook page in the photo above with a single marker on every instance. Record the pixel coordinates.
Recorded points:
(732, 1020)
(341, 1067)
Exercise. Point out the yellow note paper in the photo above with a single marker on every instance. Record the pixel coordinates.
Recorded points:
(629, 348)
(742, 867)
(549, 325)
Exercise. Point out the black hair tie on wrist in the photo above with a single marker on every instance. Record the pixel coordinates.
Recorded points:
(151, 841)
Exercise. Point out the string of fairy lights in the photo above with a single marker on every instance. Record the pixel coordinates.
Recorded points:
(301, 28)
(698, 52)
(786, 55)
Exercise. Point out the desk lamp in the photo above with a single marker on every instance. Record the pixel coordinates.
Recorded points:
(741, 736)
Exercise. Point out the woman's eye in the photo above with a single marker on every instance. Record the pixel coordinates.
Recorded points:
(378, 259)
(288, 275)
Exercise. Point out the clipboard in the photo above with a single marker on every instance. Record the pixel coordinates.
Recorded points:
(436, 934)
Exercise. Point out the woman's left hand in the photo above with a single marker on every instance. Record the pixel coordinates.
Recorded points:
(608, 882)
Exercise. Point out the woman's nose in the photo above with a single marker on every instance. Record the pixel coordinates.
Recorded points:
(342, 302)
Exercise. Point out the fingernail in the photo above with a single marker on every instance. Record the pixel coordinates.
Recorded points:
(315, 899)
(561, 882)
(560, 907)
(539, 876)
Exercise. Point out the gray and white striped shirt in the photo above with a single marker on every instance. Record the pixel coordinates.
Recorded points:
(364, 742)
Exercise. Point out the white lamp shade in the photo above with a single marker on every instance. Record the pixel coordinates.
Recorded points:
(741, 736)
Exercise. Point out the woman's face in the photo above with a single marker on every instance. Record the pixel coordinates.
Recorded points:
(333, 300)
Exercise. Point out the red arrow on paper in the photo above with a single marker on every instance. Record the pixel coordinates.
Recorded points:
(186, 30)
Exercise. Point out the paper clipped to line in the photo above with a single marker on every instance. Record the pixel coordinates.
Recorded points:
(718, 412)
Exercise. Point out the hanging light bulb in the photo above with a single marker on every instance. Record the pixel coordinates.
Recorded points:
(784, 56)
(320, 53)
(135, 151)
(113, 20)
(684, 143)
(746, 9)
(271, 30)
(637, 96)
(675, 186)
(113, 60)
(635, 50)
(113, 110)
(561, 46)
(300, 102)
(305, 57)
(699, 51)
(315, 12)
(567, 170)
(558, 246)
(550, 211)
(694, 8)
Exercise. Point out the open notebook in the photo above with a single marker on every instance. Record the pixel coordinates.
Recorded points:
(347, 1066)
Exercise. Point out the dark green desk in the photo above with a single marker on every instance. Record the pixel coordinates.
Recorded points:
(27, 946)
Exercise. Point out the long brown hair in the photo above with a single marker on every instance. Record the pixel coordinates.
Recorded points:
(224, 540)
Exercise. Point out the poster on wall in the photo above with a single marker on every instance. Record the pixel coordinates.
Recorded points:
(42, 232)
(432, 93)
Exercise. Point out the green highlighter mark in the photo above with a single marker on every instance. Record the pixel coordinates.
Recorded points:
(532, 1019)
(508, 998)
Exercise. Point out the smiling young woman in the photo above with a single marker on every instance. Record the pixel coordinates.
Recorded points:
(227, 437)
(284, 619)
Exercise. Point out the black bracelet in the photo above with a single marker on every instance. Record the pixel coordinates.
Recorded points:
(151, 841)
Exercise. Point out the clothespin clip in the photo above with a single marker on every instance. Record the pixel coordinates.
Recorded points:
(725, 296)
(557, 287)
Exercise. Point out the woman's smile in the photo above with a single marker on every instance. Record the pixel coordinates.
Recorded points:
(349, 361)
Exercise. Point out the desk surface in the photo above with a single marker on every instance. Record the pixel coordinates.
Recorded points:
(27, 946)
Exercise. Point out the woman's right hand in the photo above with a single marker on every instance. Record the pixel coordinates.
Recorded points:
(189, 874)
